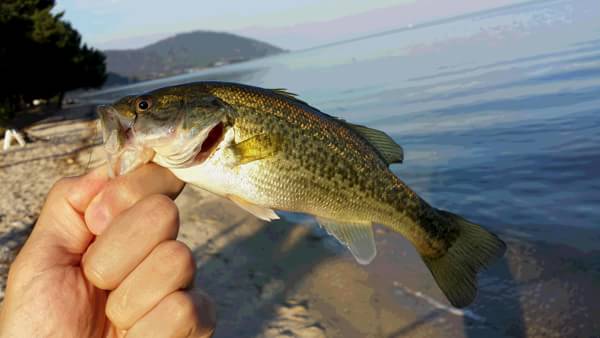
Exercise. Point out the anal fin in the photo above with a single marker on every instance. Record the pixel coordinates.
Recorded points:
(357, 237)
(263, 213)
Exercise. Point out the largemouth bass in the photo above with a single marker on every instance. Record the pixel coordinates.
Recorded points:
(265, 149)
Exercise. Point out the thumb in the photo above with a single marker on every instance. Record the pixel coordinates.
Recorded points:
(60, 235)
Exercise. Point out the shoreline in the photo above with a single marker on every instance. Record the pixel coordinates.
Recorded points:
(287, 279)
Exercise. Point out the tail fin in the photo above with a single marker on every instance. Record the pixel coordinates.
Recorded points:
(455, 272)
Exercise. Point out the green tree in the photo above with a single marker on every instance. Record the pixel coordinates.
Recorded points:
(42, 56)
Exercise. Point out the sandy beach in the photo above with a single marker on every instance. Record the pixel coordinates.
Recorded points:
(287, 279)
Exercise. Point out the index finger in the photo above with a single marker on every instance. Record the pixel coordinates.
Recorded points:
(124, 191)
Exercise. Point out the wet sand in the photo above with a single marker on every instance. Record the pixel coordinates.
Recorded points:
(288, 279)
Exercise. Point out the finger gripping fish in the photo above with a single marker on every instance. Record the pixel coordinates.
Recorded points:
(264, 149)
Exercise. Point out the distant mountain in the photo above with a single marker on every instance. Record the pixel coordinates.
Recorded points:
(182, 53)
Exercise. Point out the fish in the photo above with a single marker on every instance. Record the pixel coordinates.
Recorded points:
(267, 150)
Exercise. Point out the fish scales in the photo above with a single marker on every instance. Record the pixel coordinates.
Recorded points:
(340, 159)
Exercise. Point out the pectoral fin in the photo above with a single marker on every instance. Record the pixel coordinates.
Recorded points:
(358, 237)
(263, 213)
(256, 148)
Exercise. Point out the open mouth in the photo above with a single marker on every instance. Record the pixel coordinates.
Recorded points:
(215, 136)
(113, 125)
(122, 154)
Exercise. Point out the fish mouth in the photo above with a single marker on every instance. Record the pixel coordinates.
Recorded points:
(126, 150)
(123, 154)
(209, 145)
(111, 120)
(189, 149)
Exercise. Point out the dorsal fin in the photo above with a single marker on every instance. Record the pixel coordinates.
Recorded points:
(285, 92)
(390, 150)
(291, 96)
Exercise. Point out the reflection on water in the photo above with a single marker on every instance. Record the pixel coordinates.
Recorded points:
(499, 115)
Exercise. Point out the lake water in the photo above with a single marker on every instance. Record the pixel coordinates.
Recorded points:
(499, 116)
(499, 113)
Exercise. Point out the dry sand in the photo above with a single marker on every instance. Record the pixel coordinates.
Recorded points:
(285, 279)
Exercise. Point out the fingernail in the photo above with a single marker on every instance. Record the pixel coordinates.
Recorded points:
(97, 216)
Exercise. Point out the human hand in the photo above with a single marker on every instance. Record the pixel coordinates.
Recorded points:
(128, 281)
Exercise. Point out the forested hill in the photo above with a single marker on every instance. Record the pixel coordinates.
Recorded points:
(184, 52)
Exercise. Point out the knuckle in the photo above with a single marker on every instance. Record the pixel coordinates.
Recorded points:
(184, 310)
(121, 191)
(178, 256)
(117, 313)
(61, 186)
(101, 278)
(163, 210)
(165, 205)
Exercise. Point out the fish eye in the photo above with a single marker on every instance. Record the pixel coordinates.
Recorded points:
(143, 104)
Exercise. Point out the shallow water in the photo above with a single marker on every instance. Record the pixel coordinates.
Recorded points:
(499, 116)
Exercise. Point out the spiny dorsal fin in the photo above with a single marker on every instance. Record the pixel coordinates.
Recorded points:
(358, 237)
(387, 147)
(289, 95)
(284, 92)
(256, 148)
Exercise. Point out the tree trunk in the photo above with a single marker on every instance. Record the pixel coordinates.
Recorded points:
(61, 96)
(15, 100)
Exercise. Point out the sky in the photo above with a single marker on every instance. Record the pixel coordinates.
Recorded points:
(289, 24)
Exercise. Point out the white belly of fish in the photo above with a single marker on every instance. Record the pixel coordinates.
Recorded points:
(222, 175)
(214, 176)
